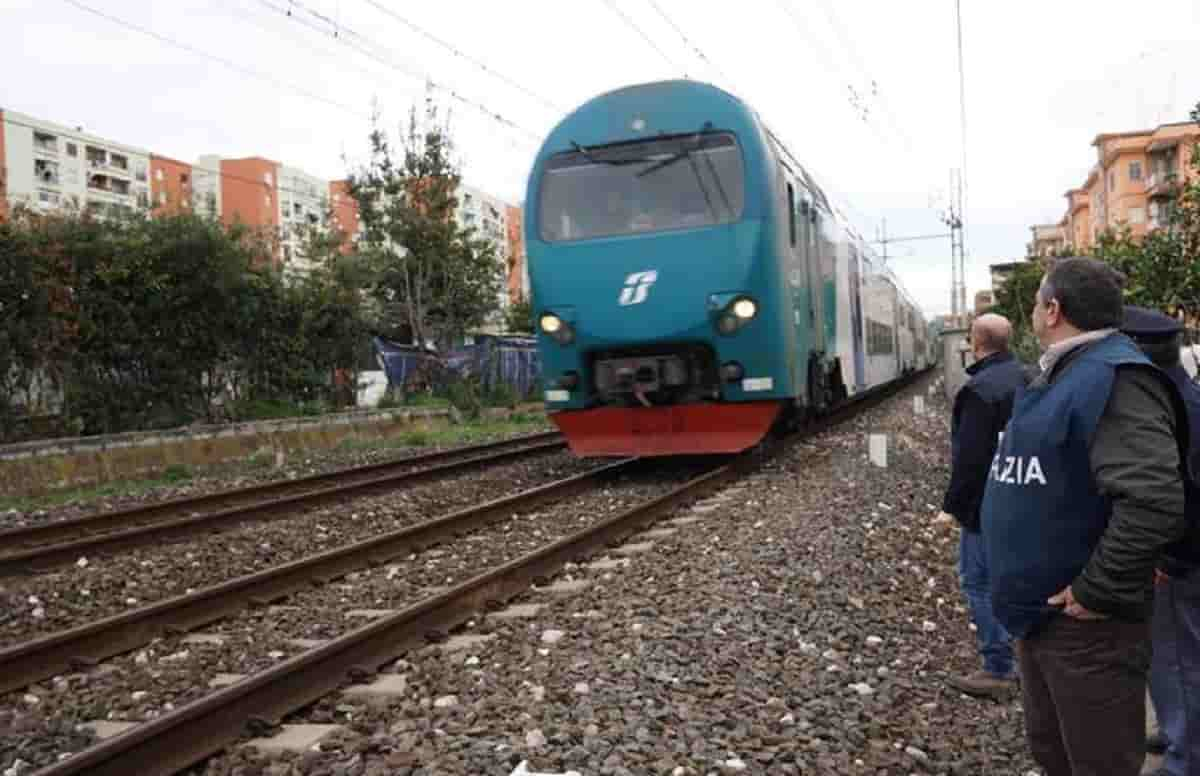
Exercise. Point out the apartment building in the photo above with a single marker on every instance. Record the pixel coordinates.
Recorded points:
(50, 166)
(488, 216)
(518, 268)
(1047, 239)
(1133, 184)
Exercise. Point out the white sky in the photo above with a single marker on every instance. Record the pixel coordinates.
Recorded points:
(1042, 79)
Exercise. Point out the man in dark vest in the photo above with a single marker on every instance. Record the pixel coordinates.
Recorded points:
(981, 411)
(1083, 495)
(1175, 628)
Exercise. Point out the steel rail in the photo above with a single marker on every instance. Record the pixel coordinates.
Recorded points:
(41, 558)
(57, 653)
(199, 729)
(59, 530)
(192, 732)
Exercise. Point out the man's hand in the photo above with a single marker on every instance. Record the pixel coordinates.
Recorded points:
(1161, 577)
(1072, 608)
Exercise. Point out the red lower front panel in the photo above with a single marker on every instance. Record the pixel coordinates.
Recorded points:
(684, 429)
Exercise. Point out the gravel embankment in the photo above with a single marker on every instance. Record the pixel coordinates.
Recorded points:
(804, 624)
(42, 721)
(100, 586)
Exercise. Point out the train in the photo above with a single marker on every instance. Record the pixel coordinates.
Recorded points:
(692, 285)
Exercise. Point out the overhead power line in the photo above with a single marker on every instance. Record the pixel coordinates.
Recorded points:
(687, 42)
(462, 55)
(336, 30)
(214, 57)
(649, 41)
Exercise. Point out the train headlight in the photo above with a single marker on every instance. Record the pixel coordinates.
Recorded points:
(556, 328)
(732, 311)
(551, 324)
(744, 308)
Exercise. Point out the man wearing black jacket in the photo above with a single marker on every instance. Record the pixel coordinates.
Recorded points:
(1085, 493)
(981, 410)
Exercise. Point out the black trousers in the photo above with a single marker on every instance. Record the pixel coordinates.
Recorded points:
(1083, 683)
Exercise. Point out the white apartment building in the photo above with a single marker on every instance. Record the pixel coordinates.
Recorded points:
(488, 216)
(51, 166)
(303, 203)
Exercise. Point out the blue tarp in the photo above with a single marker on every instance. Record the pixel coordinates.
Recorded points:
(511, 361)
(398, 360)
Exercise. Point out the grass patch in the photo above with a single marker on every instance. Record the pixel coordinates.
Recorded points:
(172, 475)
(462, 434)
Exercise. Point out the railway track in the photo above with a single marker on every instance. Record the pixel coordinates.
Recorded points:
(198, 729)
(53, 544)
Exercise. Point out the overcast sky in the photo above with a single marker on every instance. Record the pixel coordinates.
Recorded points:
(1042, 79)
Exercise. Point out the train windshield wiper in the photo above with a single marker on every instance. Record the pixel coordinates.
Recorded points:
(590, 155)
(687, 153)
(684, 153)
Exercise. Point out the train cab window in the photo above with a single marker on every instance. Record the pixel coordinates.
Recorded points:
(681, 182)
(791, 204)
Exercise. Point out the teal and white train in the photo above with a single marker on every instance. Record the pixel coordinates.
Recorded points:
(692, 285)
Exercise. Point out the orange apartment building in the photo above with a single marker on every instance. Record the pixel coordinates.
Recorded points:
(1133, 184)
(170, 186)
(518, 273)
(46, 166)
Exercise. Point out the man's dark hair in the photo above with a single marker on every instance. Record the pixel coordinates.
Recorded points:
(1088, 293)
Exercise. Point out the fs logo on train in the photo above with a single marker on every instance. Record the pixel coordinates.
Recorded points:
(637, 287)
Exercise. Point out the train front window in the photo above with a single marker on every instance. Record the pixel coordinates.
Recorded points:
(648, 186)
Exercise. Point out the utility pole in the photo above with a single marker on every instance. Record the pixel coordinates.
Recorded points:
(958, 285)
(960, 216)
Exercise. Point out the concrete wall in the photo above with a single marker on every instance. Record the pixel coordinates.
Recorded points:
(30, 468)
(956, 357)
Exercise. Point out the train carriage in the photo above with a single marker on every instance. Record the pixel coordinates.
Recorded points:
(692, 285)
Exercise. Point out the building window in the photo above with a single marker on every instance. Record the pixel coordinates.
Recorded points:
(1112, 181)
(72, 149)
(118, 161)
(1137, 215)
(44, 141)
(158, 175)
(183, 179)
(46, 172)
(267, 179)
(1135, 171)
(143, 198)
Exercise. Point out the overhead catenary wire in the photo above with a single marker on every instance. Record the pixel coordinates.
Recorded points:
(687, 42)
(857, 60)
(467, 57)
(641, 33)
(278, 82)
(344, 33)
(244, 70)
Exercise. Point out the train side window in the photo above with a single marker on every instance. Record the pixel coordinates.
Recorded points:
(791, 204)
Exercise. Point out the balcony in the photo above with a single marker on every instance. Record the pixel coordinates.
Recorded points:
(1161, 184)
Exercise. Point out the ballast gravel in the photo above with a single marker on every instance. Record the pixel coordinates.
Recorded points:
(802, 622)
(101, 586)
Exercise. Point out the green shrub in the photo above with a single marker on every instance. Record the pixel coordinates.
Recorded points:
(177, 472)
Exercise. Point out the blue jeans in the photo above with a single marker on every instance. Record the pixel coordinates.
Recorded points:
(995, 646)
(1175, 671)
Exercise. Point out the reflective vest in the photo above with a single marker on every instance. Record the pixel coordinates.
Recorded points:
(1042, 513)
